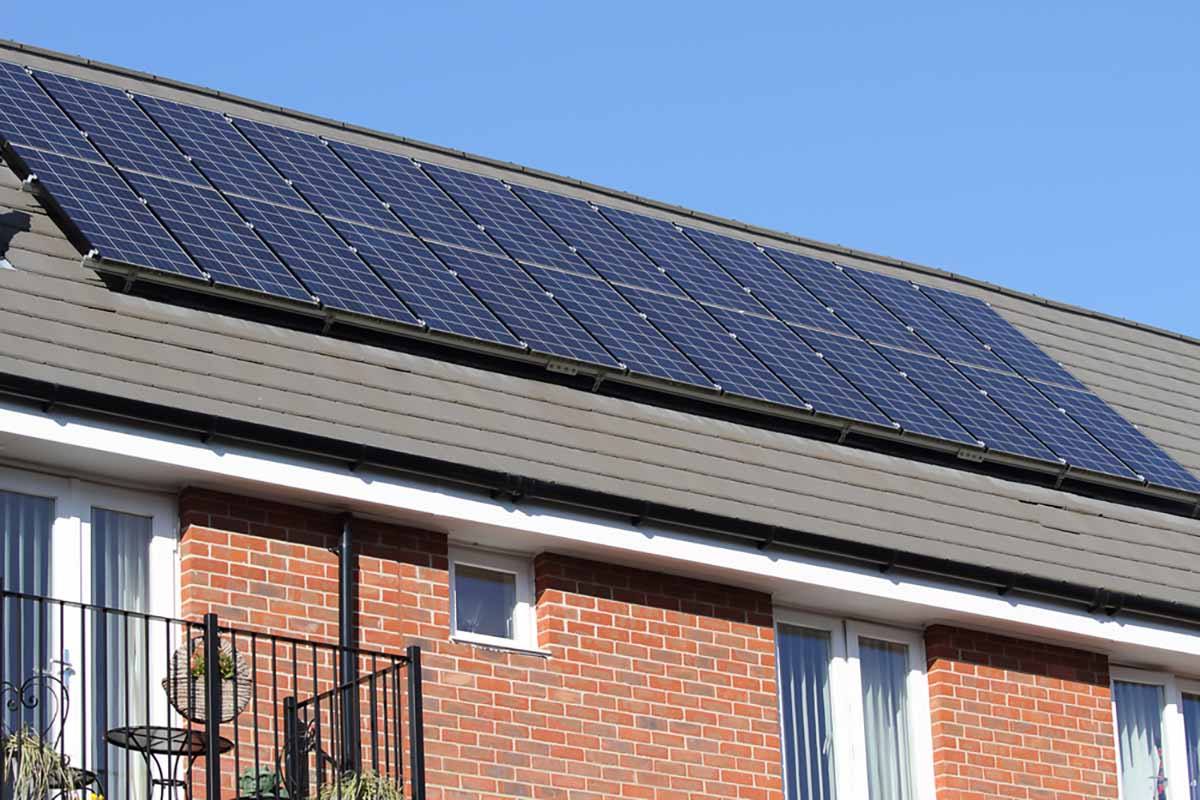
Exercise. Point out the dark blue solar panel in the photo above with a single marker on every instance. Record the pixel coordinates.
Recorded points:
(414, 197)
(221, 152)
(925, 317)
(618, 326)
(524, 306)
(883, 384)
(507, 219)
(777, 290)
(216, 237)
(698, 274)
(120, 129)
(604, 247)
(858, 309)
(1122, 438)
(325, 263)
(726, 362)
(108, 213)
(318, 174)
(1002, 337)
(965, 402)
(29, 117)
(1058, 431)
(807, 374)
(424, 283)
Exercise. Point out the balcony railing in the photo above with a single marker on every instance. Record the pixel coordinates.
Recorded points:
(98, 701)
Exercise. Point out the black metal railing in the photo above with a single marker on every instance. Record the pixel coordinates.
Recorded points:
(98, 701)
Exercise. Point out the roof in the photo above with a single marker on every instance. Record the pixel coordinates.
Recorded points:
(156, 352)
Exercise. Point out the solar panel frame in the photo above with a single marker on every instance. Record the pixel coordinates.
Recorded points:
(29, 117)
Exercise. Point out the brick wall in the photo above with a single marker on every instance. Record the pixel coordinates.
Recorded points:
(654, 687)
(1017, 719)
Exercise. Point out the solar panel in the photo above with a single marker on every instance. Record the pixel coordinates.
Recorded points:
(325, 263)
(216, 237)
(414, 197)
(1059, 432)
(118, 128)
(618, 326)
(221, 152)
(883, 384)
(318, 174)
(924, 316)
(961, 399)
(604, 247)
(797, 365)
(507, 219)
(1122, 438)
(710, 347)
(855, 307)
(108, 213)
(524, 306)
(28, 116)
(425, 284)
(698, 274)
(773, 287)
(1002, 337)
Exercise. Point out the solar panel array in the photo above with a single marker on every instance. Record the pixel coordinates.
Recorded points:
(239, 203)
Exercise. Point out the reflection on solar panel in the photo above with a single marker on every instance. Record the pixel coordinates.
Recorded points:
(288, 214)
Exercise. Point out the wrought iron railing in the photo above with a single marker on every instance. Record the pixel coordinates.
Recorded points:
(98, 701)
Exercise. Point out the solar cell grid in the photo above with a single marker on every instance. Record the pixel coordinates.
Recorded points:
(121, 131)
(805, 373)
(618, 326)
(1058, 431)
(325, 263)
(28, 116)
(318, 175)
(523, 305)
(883, 384)
(709, 346)
(509, 221)
(1122, 438)
(408, 267)
(216, 237)
(108, 213)
(414, 197)
(773, 287)
(221, 152)
(698, 274)
(855, 307)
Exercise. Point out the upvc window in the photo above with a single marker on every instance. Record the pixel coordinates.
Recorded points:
(1157, 719)
(491, 598)
(854, 710)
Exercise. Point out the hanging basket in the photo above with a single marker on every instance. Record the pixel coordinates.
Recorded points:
(186, 692)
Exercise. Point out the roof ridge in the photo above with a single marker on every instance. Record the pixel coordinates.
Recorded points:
(724, 222)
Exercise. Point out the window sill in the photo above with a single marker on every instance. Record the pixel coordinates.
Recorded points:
(500, 646)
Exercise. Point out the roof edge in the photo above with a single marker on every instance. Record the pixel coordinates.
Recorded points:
(833, 249)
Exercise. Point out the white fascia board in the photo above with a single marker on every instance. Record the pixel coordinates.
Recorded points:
(127, 452)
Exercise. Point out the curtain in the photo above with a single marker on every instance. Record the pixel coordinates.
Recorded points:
(25, 525)
(1191, 724)
(804, 657)
(1139, 736)
(884, 669)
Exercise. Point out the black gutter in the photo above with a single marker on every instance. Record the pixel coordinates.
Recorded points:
(348, 641)
(517, 488)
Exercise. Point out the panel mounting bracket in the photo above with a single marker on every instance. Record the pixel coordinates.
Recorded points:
(562, 367)
(29, 185)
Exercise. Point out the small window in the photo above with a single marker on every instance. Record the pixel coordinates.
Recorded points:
(491, 598)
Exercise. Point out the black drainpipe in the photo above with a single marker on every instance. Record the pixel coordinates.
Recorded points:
(348, 640)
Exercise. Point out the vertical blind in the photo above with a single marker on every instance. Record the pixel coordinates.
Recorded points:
(884, 669)
(25, 525)
(1191, 725)
(1139, 737)
(804, 657)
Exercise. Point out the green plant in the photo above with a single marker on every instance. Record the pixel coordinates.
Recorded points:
(31, 766)
(260, 782)
(225, 664)
(365, 785)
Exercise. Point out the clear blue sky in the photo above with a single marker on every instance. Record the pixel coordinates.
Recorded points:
(1053, 147)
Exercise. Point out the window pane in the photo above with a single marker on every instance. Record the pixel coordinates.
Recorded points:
(884, 667)
(1139, 736)
(1191, 723)
(804, 656)
(484, 601)
(25, 524)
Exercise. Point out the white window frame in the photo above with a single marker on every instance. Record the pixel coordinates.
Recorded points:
(845, 690)
(521, 567)
(1173, 734)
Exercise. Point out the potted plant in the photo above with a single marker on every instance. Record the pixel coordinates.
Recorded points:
(30, 767)
(185, 681)
(259, 783)
(365, 785)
